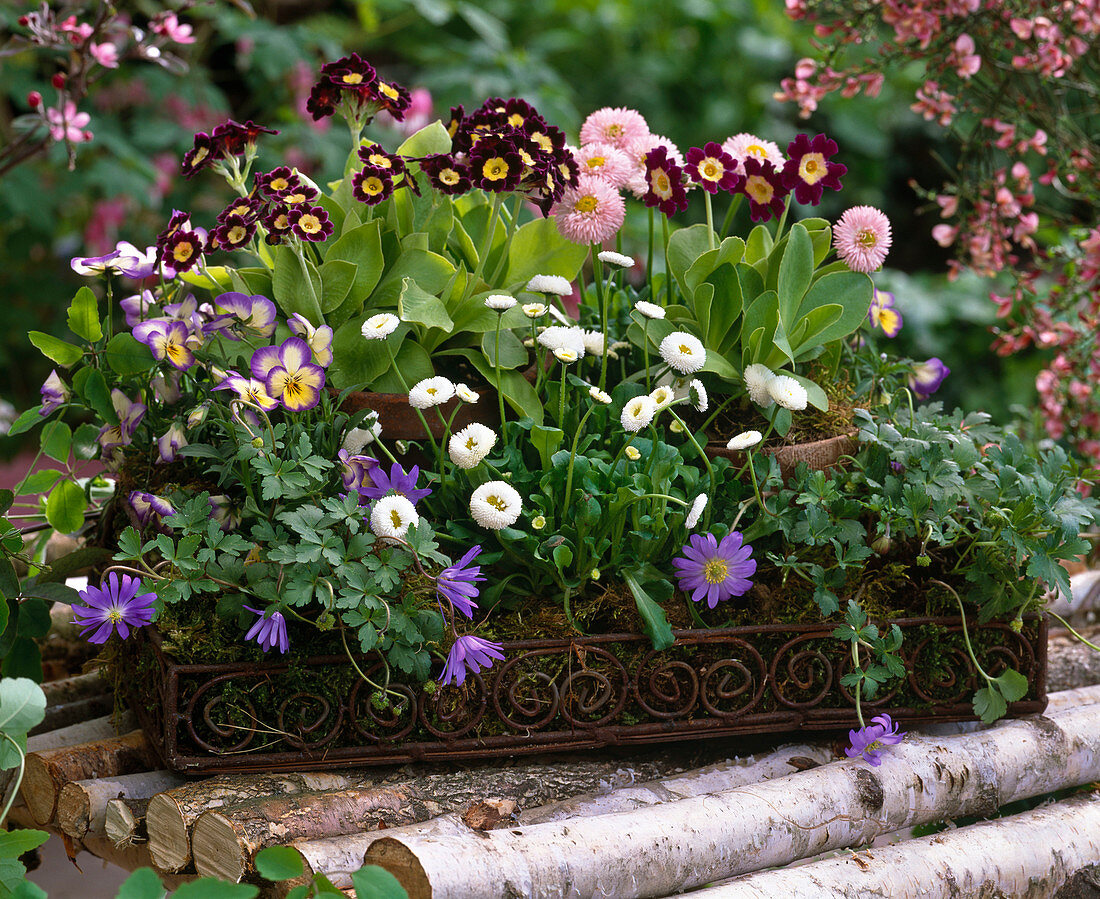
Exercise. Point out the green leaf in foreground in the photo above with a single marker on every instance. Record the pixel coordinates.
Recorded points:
(279, 863)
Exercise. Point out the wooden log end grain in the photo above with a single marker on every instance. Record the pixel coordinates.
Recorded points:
(217, 850)
(169, 840)
(74, 811)
(124, 821)
(402, 864)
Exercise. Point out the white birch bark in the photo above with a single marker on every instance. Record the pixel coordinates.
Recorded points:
(1030, 855)
(684, 844)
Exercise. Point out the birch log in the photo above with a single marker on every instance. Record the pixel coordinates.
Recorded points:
(80, 686)
(49, 770)
(173, 813)
(1030, 855)
(225, 840)
(680, 845)
(82, 804)
(337, 856)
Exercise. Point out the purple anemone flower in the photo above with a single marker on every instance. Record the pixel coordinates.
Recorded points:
(114, 606)
(288, 374)
(714, 570)
(166, 339)
(870, 741)
(55, 393)
(256, 313)
(455, 583)
(269, 630)
(469, 652)
(395, 482)
(926, 377)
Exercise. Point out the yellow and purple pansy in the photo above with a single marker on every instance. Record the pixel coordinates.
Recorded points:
(254, 390)
(254, 313)
(289, 374)
(319, 339)
(166, 339)
(883, 314)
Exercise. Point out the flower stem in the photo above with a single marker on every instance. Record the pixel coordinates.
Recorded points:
(649, 255)
(859, 683)
(601, 300)
(668, 272)
(561, 399)
(708, 203)
(706, 462)
(496, 366)
(419, 414)
(645, 352)
(486, 246)
(735, 204)
(572, 456)
(517, 206)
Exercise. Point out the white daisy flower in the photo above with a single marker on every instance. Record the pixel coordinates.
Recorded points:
(500, 302)
(599, 396)
(557, 337)
(683, 352)
(633, 453)
(392, 516)
(496, 505)
(744, 440)
(638, 413)
(675, 427)
(662, 397)
(534, 310)
(465, 394)
(757, 377)
(470, 445)
(380, 326)
(431, 392)
(357, 438)
(560, 317)
(697, 393)
(553, 284)
(649, 310)
(786, 391)
(696, 511)
(617, 259)
(594, 342)
(565, 355)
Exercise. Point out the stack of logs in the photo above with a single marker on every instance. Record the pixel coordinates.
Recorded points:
(642, 825)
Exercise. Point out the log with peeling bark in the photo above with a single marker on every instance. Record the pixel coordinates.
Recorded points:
(67, 713)
(687, 843)
(1029, 856)
(225, 840)
(47, 771)
(337, 856)
(171, 814)
(82, 805)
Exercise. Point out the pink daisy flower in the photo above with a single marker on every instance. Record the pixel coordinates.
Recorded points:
(862, 238)
(748, 146)
(638, 184)
(605, 161)
(591, 212)
(617, 126)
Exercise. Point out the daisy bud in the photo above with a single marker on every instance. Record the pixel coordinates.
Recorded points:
(675, 427)
(534, 310)
(500, 302)
(757, 378)
(565, 356)
(538, 522)
(609, 257)
(744, 440)
(788, 393)
(465, 394)
(649, 310)
(633, 453)
(696, 511)
(599, 396)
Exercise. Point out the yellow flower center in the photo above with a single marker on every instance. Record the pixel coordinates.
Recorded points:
(200, 154)
(174, 351)
(432, 391)
(310, 224)
(449, 177)
(495, 169)
(278, 184)
(596, 161)
(615, 130)
(756, 150)
(715, 571)
(280, 222)
(237, 234)
(242, 209)
(183, 251)
(471, 443)
(812, 168)
(115, 614)
(865, 237)
(387, 90)
(661, 184)
(686, 350)
(543, 141)
(293, 388)
(760, 189)
(296, 198)
(352, 78)
(382, 162)
(515, 119)
(496, 502)
(586, 203)
(711, 169)
(373, 186)
(395, 517)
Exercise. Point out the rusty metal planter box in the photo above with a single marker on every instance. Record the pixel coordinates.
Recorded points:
(550, 695)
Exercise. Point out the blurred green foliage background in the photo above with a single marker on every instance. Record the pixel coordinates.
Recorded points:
(698, 70)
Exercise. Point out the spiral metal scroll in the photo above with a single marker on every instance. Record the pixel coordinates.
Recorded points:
(595, 688)
(734, 682)
(309, 720)
(214, 710)
(525, 695)
(451, 712)
(940, 671)
(802, 672)
(392, 721)
(665, 687)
